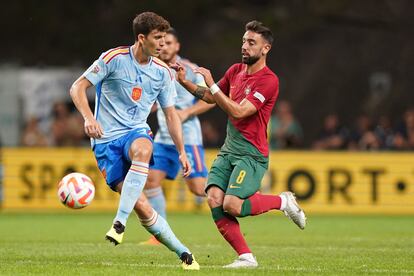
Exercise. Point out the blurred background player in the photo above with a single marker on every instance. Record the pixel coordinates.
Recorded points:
(166, 162)
(247, 93)
(128, 81)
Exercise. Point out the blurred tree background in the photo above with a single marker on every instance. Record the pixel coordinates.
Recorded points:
(348, 57)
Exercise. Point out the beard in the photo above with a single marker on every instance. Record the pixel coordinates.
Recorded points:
(166, 57)
(250, 60)
(163, 57)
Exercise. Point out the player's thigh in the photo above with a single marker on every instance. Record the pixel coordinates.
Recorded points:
(197, 185)
(246, 178)
(220, 173)
(111, 163)
(154, 178)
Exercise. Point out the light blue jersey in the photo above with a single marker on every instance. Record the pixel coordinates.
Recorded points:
(191, 127)
(126, 91)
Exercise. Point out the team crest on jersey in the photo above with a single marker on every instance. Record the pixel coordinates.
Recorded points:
(247, 90)
(136, 93)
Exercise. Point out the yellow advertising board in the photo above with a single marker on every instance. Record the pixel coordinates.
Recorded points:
(324, 182)
(346, 182)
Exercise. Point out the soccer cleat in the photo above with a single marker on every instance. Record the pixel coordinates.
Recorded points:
(293, 211)
(246, 260)
(188, 262)
(151, 241)
(116, 233)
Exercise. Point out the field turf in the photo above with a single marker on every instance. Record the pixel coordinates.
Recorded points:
(72, 244)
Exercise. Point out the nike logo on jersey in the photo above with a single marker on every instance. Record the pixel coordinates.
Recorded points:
(232, 186)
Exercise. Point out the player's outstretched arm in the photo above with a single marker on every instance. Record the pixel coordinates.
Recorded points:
(78, 93)
(200, 92)
(175, 130)
(198, 108)
(233, 109)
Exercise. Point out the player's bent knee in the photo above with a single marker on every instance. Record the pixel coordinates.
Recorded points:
(231, 209)
(215, 197)
(232, 205)
(140, 150)
(214, 201)
(143, 154)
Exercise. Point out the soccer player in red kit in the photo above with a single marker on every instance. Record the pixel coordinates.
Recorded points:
(247, 93)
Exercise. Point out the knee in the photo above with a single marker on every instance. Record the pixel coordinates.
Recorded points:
(142, 154)
(231, 207)
(214, 200)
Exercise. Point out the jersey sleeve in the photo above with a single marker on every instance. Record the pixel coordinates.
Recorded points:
(168, 93)
(97, 71)
(263, 92)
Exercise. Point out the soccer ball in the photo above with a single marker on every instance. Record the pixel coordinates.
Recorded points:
(76, 190)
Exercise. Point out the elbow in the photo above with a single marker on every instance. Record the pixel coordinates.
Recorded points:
(238, 115)
(72, 91)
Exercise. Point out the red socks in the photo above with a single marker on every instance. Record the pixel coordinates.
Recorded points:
(258, 204)
(229, 226)
(230, 229)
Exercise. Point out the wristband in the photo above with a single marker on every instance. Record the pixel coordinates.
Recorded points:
(214, 89)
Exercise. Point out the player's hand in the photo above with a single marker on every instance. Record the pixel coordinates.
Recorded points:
(183, 115)
(92, 128)
(185, 164)
(180, 69)
(208, 78)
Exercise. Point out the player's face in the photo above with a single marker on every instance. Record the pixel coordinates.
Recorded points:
(170, 48)
(254, 47)
(153, 43)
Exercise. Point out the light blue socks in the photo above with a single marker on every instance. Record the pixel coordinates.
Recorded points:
(131, 190)
(160, 228)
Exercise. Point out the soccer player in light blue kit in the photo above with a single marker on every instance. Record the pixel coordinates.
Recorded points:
(166, 162)
(128, 81)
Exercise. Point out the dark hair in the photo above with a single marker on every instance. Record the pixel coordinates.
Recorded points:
(146, 22)
(258, 27)
(173, 32)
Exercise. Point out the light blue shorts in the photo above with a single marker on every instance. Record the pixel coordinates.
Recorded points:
(113, 159)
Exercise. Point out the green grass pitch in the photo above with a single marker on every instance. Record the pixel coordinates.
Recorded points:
(73, 244)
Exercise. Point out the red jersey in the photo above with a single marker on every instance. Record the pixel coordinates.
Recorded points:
(262, 90)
